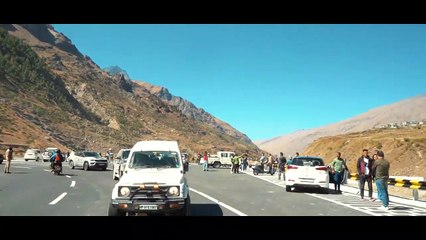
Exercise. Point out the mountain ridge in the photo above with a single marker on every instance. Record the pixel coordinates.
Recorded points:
(404, 110)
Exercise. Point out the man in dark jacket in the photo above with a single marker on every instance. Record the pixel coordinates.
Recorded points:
(364, 166)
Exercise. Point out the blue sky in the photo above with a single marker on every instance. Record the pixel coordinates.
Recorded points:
(267, 80)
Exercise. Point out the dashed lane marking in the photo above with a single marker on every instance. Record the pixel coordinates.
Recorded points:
(239, 213)
(72, 184)
(68, 176)
(21, 167)
(59, 198)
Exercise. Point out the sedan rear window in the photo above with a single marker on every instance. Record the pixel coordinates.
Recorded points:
(308, 162)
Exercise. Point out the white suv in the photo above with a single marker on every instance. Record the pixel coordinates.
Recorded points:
(120, 163)
(32, 154)
(154, 182)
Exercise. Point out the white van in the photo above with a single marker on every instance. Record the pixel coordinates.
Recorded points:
(154, 182)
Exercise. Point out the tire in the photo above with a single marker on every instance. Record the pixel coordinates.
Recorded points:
(103, 169)
(112, 211)
(216, 164)
(72, 164)
(288, 188)
(86, 166)
(255, 172)
(26, 160)
(186, 210)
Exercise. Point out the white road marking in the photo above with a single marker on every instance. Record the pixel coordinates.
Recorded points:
(47, 170)
(72, 184)
(68, 176)
(22, 167)
(109, 169)
(239, 213)
(58, 199)
(345, 205)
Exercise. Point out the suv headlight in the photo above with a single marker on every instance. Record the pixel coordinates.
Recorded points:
(123, 191)
(173, 191)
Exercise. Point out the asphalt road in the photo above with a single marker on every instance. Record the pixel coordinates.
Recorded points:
(32, 190)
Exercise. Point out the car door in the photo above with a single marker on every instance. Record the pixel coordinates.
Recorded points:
(116, 162)
(77, 159)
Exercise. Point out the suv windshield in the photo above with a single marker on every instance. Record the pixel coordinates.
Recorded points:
(154, 159)
(91, 154)
(307, 162)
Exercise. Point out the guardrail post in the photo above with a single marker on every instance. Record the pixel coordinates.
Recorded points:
(415, 195)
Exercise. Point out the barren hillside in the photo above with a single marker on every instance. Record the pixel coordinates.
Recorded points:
(406, 110)
(404, 148)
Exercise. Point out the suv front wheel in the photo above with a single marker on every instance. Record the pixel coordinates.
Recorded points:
(186, 210)
(112, 211)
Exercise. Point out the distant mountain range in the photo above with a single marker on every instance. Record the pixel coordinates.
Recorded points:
(409, 109)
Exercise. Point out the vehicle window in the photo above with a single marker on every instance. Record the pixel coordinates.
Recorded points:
(308, 162)
(125, 154)
(154, 159)
(91, 154)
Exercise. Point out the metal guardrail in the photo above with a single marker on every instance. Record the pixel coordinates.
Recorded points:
(401, 182)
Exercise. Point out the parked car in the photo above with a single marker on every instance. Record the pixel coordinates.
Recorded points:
(120, 163)
(307, 172)
(1, 158)
(32, 154)
(87, 160)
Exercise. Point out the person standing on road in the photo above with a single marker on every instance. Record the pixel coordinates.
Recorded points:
(364, 166)
(9, 157)
(244, 162)
(270, 163)
(281, 166)
(338, 166)
(205, 162)
(235, 163)
(381, 176)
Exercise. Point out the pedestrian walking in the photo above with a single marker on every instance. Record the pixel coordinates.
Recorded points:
(381, 176)
(338, 166)
(205, 162)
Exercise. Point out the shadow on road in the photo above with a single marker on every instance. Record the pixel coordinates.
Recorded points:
(313, 190)
(400, 208)
(207, 209)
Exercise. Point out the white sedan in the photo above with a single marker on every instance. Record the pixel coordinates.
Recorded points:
(307, 172)
(120, 163)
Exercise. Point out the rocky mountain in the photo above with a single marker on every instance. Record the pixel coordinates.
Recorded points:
(192, 112)
(406, 110)
(116, 70)
(53, 95)
(404, 148)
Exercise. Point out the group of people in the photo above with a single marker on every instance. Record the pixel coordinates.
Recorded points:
(369, 169)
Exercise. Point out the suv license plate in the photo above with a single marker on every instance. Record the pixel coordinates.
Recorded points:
(148, 207)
